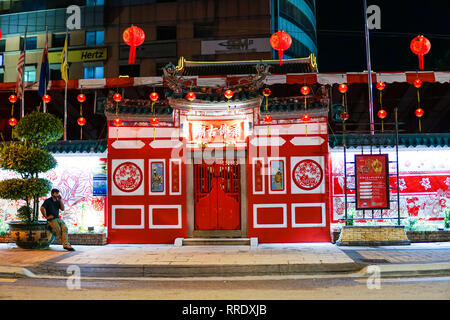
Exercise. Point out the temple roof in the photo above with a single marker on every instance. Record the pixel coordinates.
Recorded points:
(389, 140)
(78, 146)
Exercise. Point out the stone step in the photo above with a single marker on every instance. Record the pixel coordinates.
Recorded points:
(216, 242)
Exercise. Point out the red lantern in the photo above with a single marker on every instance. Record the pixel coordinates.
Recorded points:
(117, 122)
(46, 98)
(81, 121)
(382, 114)
(190, 96)
(154, 96)
(420, 46)
(343, 88)
(117, 97)
(267, 92)
(344, 116)
(306, 117)
(12, 122)
(305, 90)
(280, 41)
(81, 98)
(417, 83)
(228, 94)
(134, 37)
(12, 98)
(268, 118)
(154, 121)
(419, 112)
(381, 85)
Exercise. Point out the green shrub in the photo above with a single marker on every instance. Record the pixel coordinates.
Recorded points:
(39, 128)
(17, 189)
(25, 159)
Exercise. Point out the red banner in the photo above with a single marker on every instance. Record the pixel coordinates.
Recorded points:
(372, 181)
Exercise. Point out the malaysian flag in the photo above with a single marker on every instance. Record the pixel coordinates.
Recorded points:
(20, 67)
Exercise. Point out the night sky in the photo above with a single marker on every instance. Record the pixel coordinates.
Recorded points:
(341, 43)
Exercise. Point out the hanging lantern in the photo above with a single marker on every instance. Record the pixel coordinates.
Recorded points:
(190, 96)
(343, 88)
(154, 96)
(305, 90)
(12, 98)
(382, 114)
(420, 46)
(266, 92)
(117, 122)
(268, 119)
(12, 122)
(417, 83)
(381, 85)
(280, 41)
(228, 94)
(306, 118)
(154, 121)
(419, 112)
(81, 98)
(117, 97)
(134, 37)
(81, 121)
(46, 98)
(344, 116)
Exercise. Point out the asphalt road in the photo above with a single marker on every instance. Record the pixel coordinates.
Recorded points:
(423, 288)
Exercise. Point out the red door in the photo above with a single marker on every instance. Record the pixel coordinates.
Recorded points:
(217, 196)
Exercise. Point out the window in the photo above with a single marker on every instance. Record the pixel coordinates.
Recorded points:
(2, 74)
(90, 3)
(31, 43)
(55, 71)
(94, 72)
(166, 33)
(95, 37)
(132, 70)
(1, 60)
(2, 45)
(30, 73)
(59, 39)
(204, 30)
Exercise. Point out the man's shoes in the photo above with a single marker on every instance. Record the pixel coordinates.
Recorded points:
(69, 248)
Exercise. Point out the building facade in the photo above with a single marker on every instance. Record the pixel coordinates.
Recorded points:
(202, 30)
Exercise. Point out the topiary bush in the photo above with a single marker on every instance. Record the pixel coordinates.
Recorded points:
(28, 158)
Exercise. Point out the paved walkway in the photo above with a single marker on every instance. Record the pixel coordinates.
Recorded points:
(161, 260)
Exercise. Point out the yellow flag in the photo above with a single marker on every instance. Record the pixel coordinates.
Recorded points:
(64, 74)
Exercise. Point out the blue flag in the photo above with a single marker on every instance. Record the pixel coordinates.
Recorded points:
(45, 71)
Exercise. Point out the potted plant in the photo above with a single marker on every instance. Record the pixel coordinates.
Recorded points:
(28, 158)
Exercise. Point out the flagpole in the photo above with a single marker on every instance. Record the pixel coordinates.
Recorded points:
(45, 85)
(22, 107)
(65, 88)
(369, 69)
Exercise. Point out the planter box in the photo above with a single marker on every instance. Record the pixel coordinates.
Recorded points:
(372, 236)
(413, 236)
(95, 239)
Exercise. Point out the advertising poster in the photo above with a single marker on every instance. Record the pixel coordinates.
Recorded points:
(372, 181)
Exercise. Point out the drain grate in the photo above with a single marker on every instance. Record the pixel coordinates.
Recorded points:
(375, 261)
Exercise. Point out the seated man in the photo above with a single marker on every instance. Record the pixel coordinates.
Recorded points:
(50, 210)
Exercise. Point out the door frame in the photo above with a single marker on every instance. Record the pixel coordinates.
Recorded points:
(192, 156)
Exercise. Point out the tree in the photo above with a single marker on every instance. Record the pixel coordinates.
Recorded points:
(28, 158)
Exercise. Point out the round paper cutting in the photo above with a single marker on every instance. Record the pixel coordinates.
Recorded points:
(307, 174)
(128, 177)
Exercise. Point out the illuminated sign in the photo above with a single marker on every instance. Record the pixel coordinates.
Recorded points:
(372, 181)
(216, 131)
(83, 55)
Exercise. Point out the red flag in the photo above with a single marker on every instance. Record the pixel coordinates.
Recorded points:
(20, 67)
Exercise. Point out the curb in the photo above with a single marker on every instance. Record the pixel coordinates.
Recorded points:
(410, 269)
(183, 271)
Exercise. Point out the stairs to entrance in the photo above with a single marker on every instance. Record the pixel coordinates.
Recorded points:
(216, 242)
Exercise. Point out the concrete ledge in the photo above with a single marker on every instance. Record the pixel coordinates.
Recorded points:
(373, 243)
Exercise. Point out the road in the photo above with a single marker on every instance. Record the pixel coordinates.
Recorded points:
(288, 288)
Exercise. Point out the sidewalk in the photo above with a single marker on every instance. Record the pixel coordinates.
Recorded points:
(191, 261)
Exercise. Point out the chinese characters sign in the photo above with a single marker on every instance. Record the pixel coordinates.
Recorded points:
(372, 181)
(216, 131)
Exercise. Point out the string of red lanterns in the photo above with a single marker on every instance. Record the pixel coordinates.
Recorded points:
(228, 94)
(381, 113)
(419, 111)
(117, 122)
(12, 121)
(343, 89)
(81, 120)
(305, 90)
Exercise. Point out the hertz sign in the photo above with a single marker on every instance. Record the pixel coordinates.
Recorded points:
(83, 55)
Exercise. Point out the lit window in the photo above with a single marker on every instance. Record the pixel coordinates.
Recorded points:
(91, 3)
(95, 37)
(29, 74)
(94, 72)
